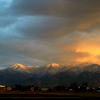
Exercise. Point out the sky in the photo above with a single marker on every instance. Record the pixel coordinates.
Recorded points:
(39, 32)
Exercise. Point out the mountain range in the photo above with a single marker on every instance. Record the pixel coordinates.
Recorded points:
(51, 74)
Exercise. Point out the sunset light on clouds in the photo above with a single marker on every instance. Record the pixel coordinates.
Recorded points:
(40, 32)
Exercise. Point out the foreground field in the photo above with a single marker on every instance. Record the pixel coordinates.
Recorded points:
(47, 95)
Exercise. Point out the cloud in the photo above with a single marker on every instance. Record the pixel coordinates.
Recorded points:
(63, 8)
(92, 47)
(7, 20)
(51, 19)
(85, 47)
(36, 7)
(38, 27)
(46, 31)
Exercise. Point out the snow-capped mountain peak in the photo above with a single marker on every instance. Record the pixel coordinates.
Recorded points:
(18, 67)
(54, 68)
(37, 66)
(29, 66)
(51, 74)
(53, 65)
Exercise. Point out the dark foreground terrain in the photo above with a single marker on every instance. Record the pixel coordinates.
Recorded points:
(15, 95)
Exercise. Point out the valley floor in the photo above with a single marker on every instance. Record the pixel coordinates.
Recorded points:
(47, 95)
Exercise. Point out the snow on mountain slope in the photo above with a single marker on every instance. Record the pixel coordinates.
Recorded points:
(39, 70)
(92, 68)
(21, 68)
(53, 65)
(50, 69)
(84, 67)
(51, 73)
(18, 67)
(54, 68)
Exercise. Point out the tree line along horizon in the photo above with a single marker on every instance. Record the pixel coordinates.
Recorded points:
(74, 87)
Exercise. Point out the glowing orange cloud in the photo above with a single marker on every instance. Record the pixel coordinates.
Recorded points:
(92, 50)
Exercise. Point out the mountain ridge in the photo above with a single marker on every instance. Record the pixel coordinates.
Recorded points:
(51, 74)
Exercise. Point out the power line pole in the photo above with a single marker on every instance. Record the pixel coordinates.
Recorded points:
(39, 84)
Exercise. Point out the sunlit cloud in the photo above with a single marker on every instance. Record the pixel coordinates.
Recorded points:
(38, 32)
(91, 46)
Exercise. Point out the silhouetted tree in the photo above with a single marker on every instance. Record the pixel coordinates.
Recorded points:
(37, 88)
(85, 84)
(74, 86)
(84, 87)
(60, 88)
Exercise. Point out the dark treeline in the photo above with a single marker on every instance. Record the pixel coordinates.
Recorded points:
(74, 87)
(19, 87)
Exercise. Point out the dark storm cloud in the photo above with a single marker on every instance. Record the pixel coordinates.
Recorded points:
(39, 27)
(45, 31)
(66, 16)
(36, 7)
(62, 8)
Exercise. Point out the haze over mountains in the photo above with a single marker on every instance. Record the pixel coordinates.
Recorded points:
(51, 74)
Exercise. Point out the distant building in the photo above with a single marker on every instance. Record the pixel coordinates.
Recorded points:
(2, 88)
(44, 88)
(2, 85)
(32, 88)
(98, 90)
(70, 90)
(9, 88)
(93, 88)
